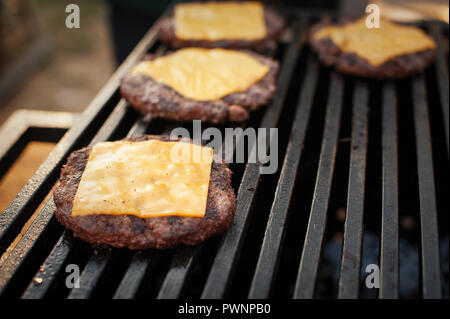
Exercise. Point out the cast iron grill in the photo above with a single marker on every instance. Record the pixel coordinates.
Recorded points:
(377, 150)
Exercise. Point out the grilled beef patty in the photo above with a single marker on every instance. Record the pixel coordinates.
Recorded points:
(142, 233)
(155, 99)
(350, 63)
(274, 26)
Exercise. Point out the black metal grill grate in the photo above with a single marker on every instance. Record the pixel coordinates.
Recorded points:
(378, 149)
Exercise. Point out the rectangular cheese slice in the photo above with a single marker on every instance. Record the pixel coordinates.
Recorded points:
(213, 21)
(146, 179)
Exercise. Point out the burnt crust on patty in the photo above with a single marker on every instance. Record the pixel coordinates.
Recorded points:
(274, 25)
(349, 63)
(155, 99)
(143, 233)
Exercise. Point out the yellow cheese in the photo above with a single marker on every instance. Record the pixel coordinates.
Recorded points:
(205, 74)
(145, 179)
(220, 21)
(377, 45)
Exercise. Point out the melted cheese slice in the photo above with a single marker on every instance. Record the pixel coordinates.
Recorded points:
(205, 74)
(377, 45)
(215, 21)
(145, 179)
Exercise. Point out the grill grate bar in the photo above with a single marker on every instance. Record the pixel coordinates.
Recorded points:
(306, 278)
(110, 125)
(431, 272)
(91, 274)
(351, 256)
(139, 128)
(180, 268)
(137, 269)
(43, 225)
(389, 225)
(442, 76)
(227, 255)
(51, 267)
(225, 260)
(273, 238)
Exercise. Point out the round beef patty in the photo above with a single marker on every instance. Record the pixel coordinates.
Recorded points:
(142, 233)
(350, 63)
(155, 99)
(274, 26)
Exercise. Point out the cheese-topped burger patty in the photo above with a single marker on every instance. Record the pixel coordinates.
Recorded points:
(237, 25)
(391, 51)
(131, 230)
(212, 85)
